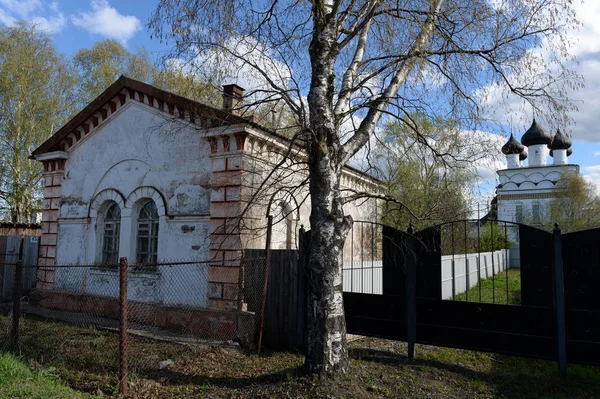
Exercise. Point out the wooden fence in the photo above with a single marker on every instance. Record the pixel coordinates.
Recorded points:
(283, 324)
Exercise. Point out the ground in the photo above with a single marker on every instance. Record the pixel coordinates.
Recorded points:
(496, 289)
(87, 360)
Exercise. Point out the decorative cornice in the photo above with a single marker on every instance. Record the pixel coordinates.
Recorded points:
(506, 197)
(126, 89)
(52, 155)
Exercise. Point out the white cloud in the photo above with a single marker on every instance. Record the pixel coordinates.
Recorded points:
(53, 24)
(597, 154)
(592, 175)
(46, 16)
(247, 64)
(106, 21)
(22, 8)
(586, 48)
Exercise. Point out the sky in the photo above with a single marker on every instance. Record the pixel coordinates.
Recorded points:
(79, 24)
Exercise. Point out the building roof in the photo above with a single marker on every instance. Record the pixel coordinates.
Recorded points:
(560, 142)
(536, 135)
(124, 83)
(523, 155)
(512, 146)
(204, 115)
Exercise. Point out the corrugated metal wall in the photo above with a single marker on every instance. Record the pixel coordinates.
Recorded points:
(13, 248)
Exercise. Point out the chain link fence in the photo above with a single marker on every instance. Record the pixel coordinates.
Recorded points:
(130, 319)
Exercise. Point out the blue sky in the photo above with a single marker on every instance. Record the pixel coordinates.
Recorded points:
(78, 24)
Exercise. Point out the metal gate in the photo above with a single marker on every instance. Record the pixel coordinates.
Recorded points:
(413, 306)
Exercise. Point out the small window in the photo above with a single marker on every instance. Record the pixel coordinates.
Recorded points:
(535, 213)
(111, 234)
(519, 214)
(147, 234)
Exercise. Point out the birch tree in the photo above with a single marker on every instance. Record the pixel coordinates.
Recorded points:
(343, 67)
(103, 63)
(36, 96)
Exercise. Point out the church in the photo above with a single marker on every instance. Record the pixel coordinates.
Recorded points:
(526, 191)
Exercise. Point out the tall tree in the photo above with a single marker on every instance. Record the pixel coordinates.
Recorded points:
(333, 61)
(101, 65)
(177, 79)
(576, 206)
(431, 187)
(35, 98)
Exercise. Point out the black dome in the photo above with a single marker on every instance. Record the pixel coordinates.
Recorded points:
(512, 146)
(536, 135)
(560, 142)
(523, 155)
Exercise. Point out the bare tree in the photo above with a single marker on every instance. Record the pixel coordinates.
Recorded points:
(344, 66)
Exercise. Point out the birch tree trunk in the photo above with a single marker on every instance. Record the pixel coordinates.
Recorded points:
(326, 347)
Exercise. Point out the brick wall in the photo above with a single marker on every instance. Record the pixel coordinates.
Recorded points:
(224, 273)
(54, 168)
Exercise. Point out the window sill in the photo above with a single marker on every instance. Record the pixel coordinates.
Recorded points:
(136, 274)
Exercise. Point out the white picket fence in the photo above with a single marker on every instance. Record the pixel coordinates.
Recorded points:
(366, 277)
(468, 268)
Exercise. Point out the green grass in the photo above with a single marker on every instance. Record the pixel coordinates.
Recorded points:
(86, 360)
(493, 290)
(19, 381)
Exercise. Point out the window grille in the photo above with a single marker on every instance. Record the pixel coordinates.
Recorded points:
(147, 235)
(111, 235)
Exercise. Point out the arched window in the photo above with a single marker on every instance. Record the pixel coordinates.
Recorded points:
(147, 234)
(110, 237)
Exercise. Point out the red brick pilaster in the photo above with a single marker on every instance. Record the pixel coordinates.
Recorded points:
(224, 273)
(54, 168)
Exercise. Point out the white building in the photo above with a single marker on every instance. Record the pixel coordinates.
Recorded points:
(525, 192)
(154, 177)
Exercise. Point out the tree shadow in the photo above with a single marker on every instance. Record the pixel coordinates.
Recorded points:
(176, 377)
(508, 376)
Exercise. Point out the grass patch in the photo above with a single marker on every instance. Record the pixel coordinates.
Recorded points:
(18, 381)
(494, 289)
(86, 359)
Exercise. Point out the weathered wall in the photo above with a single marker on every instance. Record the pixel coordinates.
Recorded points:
(286, 197)
(138, 154)
(200, 181)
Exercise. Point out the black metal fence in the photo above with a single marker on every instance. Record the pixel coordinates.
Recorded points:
(558, 317)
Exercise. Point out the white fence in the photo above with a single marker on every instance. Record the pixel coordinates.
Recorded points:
(363, 277)
(469, 268)
(367, 277)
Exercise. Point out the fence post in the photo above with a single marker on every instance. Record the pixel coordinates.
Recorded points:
(559, 301)
(16, 313)
(266, 280)
(123, 326)
(411, 292)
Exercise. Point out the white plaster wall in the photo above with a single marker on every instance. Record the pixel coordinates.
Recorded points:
(137, 147)
(469, 267)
